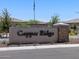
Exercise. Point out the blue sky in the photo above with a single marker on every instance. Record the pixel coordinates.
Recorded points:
(23, 9)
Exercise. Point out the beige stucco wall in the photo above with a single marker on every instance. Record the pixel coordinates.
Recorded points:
(14, 38)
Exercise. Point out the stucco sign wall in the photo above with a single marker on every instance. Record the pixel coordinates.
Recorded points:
(33, 35)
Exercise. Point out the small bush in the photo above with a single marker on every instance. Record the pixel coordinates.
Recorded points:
(72, 32)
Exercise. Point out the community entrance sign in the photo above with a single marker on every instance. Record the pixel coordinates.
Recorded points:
(30, 34)
(33, 35)
(56, 33)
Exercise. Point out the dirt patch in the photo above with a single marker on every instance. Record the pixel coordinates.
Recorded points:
(3, 45)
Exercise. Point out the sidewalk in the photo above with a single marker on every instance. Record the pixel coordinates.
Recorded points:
(39, 47)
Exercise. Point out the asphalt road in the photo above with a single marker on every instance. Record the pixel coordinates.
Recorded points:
(55, 53)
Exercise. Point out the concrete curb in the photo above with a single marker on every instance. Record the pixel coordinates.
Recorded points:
(39, 47)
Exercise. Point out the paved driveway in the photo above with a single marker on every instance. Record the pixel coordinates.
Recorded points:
(54, 53)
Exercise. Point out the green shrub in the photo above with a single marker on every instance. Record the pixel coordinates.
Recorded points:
(72, 32)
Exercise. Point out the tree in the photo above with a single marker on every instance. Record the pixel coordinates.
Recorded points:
(54, 19)
(6, 20)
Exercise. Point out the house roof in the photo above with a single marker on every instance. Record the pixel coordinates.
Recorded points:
(14, 20)
(72, 21)
(17, 20)
(61, 24)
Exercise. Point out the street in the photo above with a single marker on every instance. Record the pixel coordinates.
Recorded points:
(51, 53)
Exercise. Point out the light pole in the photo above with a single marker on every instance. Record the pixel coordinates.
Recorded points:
(34, 8)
